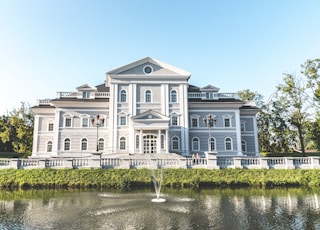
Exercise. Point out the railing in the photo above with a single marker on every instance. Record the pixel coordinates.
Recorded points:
(211, 96)
(209, 163)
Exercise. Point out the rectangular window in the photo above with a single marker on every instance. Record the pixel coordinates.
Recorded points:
(85, 95)
(123, 121)
(194, 122)
(85, 122)
(227, 122)
(174, 120)
(50, 127)
(243, 127)
(68, 122)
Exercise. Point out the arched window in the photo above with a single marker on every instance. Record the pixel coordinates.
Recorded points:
(84, 144)
(49, 146)
(122, 143)
(67, 144)
(148, 96)
(195, 144)
(243, 146)
(212, 144)
(173, 96)
(101, 144)
(228, 144)
(123, 96)
(175, 143)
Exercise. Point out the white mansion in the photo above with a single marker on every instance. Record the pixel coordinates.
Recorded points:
(146, 107)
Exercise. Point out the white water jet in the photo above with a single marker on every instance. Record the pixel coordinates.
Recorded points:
(157, 179)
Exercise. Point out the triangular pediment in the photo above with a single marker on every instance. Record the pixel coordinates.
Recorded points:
(209, 88)
(148, 67)
(86, 87)
(150, 115)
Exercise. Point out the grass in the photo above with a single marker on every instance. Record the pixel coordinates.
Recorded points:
(172, 178)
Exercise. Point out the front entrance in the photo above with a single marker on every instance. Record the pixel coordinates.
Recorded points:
(149, 143)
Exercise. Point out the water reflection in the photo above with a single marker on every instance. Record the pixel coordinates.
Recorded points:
(184, 209)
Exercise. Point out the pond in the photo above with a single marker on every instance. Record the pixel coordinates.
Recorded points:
(183, 209)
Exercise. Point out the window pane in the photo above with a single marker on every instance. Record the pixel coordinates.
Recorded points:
(123, 121)
(67, 144)
(174, 120)
(227, 122)
(173, 96)
(101, 144)
(122, 143)
(123, 96)
(148, 96)
(194, 122)
(50, 127)
(49, 146)
(85, 122)
(84, 144)
(68, 122)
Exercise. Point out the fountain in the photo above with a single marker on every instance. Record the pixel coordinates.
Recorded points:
(157, 179)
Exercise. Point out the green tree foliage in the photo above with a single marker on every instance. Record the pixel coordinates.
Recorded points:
(17, 129)
(294, 100)
(311, 69)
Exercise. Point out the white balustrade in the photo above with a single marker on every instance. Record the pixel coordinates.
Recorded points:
(214, 163)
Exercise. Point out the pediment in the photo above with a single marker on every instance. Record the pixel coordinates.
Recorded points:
(148, 67)
(150, 115)
(86, 87)
(209, 88)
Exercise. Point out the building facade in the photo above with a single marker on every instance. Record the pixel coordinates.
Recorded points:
(146, 107)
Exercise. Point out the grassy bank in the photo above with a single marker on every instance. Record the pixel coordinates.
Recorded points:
(174, 178)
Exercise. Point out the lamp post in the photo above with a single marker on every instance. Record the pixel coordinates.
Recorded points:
(97, 122)
(209, 121)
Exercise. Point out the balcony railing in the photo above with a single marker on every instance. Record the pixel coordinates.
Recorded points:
(212, 96)
(206, 163)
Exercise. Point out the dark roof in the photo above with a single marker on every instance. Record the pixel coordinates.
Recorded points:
(102, 88)
(193, 88)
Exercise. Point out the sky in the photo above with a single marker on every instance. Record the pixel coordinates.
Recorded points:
(48, 46)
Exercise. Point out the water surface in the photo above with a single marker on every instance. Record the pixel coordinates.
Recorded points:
(184, 209)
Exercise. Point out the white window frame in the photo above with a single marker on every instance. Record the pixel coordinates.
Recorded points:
(214, 144)
(100, 144)
(82, 142)
(227, 117)
(173, 92)
(49, 125)
(86, 95)
(231, 144)
(195, 139)
(122, 143)
(82, 122)
(196, 117)
(122, 119)
(147, 99)
(123, 95)
(47, 146)
(64, 144)
(178, 142)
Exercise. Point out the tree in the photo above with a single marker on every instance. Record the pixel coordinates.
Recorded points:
(17, 129)
(294, 100)
(311, 69)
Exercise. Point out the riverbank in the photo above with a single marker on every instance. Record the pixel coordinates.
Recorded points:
(173, 178)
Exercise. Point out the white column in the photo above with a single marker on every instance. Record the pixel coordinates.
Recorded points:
(159, 141)
(183, 96)
(113, 117)
(255, 133)
(55, 147)
(167, 140)
(238, 130)
(35, 147)
(141, 142)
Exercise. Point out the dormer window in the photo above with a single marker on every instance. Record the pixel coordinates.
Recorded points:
(85, 95)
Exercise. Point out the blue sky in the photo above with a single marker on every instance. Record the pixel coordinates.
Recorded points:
(56, 45)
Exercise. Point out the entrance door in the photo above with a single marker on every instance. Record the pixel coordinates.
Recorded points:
(150, 143)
